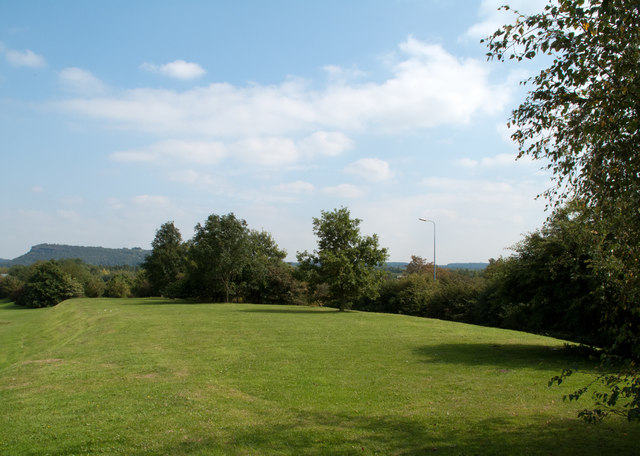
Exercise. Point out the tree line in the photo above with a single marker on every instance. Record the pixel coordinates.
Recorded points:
(47, 283)
(548, 286)
(224, 261)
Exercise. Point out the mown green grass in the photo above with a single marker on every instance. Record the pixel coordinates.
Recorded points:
(147, 377)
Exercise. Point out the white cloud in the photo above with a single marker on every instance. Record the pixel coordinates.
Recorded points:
(263, 151)
(219, 110)
(505, 133)
(175, 150)
(339, 75)
(496, 161)
(69, 216)
(37, 189)
(372, 169)
(209, 183)
(114, 203)
(491, 18)
(266, 151)
(151, 200)
(474, 189)
(500, 160)
(81, 81)
(428, 87)
(178, 69)
(73, 200)
(191, 177)
(345, 191)
(325, 143)
(26, 58)
(296, 187)
(467, 162)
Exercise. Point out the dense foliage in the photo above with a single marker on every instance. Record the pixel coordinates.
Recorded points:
(583, 117)
(224, 261)
(45, 284)
(48, 285)
(549, 286)
(218, 253)
(346, 263)
(453, 296)
(166, 262)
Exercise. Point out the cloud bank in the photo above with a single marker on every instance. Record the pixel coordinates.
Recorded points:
(427, 87)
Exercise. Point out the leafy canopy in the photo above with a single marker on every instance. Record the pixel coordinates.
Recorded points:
(345, 260)
(218, 253)
(583, 116)
(167, 259)
(47, 286)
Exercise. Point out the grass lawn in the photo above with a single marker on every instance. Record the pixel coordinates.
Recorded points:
(149, 377)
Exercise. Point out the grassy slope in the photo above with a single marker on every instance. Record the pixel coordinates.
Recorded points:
(154, 377)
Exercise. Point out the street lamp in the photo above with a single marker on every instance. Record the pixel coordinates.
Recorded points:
(434, 245)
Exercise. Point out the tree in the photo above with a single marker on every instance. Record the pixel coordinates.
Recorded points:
(264, 275)
(48, 285)
(345, 260)
(583, 116)
(166, 262)
(549, 285)
(218, 253)
(10, 287)
(418, 265)
(118, 286)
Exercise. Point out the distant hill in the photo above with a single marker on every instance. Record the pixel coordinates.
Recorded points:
(133, 257)
(91, 255)
(399, 265)
(472, 266)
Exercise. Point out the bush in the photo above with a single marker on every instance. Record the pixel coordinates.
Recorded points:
(10, 287)
(453, 296)
(550, 286)
(117, 287)
(94, 288)
(47, 286)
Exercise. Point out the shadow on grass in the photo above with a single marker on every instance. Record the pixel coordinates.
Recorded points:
(505, 355)
(163, 302)
(290, 310)
(251, 307)
(8, 305)
(348, 434)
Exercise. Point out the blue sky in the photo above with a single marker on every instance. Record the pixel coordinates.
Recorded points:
(118, 116)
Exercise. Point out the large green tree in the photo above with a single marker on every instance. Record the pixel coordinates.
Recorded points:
(582, 116)
(218, 253)
(166, 262)
(265, 274)
(345, 260)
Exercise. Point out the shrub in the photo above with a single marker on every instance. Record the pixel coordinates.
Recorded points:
(47, 286)
(117, 287)
(10, 287)
(94, 287)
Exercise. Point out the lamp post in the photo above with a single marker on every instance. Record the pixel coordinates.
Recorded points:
(434, 245)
